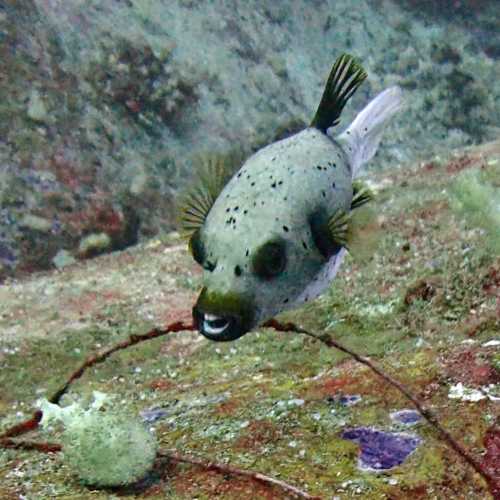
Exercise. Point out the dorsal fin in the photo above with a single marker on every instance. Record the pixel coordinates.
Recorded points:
(212, 174)
(345, 78)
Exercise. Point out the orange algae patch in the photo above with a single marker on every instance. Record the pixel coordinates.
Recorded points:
(468, 367)
(192, 481)
(258, 434)
(491, 460)
(228, 407)
(161, 384)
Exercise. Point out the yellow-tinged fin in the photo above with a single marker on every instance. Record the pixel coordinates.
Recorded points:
(361, 195)
(357, 231)
(338, 225)
(363, 234)
(345, 77)
(213, 171)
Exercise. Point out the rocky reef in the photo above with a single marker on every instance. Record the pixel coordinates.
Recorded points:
(104, 105)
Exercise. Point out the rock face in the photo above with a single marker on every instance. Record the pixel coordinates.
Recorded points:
(104, 105)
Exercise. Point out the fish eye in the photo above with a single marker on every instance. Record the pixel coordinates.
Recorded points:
(270, 259)
(197, 248)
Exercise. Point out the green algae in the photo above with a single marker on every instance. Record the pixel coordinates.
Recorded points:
(475, 197)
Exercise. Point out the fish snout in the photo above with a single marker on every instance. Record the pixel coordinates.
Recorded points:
(222, 317)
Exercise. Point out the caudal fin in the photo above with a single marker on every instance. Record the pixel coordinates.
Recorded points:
(362, 138)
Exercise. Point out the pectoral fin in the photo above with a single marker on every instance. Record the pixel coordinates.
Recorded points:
(212, 174)
(329, 233)
(357, 231)
(361, 195)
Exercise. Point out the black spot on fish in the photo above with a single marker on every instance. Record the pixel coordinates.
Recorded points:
(285, 301)
(239, 174)
(227, 209)
(319, 167)
(304, 244)
(285, 228)
(285, 198)
(252, 183)
(280, 183)
(273, 158)
(236, 208)
(245, 212)
(273, 185)
(324, 194)
(333, 185)
(247, 252)
(237, 271)
(248, 176)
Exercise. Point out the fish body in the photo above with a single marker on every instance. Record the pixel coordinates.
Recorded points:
(275, 234)
(273, 195)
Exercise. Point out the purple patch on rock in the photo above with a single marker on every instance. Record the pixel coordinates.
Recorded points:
(153, 414)
(406, 417)
(382, 450)
(345, 399)
(349, 399)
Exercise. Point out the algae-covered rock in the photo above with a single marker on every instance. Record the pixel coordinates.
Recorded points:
(108, 449)
(104, 448)
(62, 259)
(94, 244)
(476, 198)
(36, 223)
(37, 110)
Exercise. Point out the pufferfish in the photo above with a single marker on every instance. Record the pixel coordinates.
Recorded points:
(273, 235)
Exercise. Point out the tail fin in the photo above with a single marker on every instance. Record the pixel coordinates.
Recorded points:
(362, 138)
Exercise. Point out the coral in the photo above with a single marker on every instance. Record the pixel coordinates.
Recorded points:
(104, 448)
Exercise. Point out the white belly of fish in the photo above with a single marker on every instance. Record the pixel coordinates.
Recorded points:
(323, 279)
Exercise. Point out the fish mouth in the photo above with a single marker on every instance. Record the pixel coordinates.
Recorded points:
(220, 328)
(215, 325)
(222, 323)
